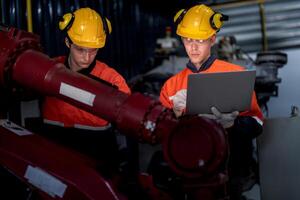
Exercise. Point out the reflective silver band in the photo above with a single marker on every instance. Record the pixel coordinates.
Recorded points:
(55, 123)
(79, 126)
(258, 120)
(93, 128)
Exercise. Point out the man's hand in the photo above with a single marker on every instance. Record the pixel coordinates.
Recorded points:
(179, 102)
(225, 119)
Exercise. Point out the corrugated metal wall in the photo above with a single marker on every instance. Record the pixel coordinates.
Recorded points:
(136, 25)
(282, 24)
(131, 43)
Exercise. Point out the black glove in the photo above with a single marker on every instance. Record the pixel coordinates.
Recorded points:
(246, 126)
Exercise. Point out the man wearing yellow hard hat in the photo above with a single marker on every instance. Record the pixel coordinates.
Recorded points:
(85, 33)
(197, 27)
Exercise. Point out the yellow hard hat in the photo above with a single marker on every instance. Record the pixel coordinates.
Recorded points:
(86, 28)
(198, 22)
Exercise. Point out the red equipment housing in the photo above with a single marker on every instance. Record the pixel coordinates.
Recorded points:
(195, 148)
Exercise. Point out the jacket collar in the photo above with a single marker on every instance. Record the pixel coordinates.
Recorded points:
(203, 67)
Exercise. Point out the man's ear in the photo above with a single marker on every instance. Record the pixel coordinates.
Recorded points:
(213, 39)
(67, 42)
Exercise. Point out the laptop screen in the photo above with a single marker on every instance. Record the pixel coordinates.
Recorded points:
(227, 91)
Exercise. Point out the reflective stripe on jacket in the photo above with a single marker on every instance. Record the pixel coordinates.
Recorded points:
(179, 82)
(60, 112)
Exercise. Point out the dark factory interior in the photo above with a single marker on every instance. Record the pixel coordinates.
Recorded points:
(149, 99)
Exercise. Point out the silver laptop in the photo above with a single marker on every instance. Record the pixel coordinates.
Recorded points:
(227, 91)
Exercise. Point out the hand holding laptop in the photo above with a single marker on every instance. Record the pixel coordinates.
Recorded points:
(179, 105)
(179, 102)
(225, 119)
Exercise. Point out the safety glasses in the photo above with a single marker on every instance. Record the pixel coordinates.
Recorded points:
(189, 41)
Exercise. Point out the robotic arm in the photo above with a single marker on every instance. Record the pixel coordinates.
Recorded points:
(193, 147)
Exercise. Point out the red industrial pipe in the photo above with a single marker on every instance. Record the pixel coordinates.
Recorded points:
(58, 173)
(193, 147)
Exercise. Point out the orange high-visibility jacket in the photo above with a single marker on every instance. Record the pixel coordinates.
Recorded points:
(64, 114)
(179, 82)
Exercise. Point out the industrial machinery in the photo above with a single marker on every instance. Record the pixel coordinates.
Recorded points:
(31, 167)
(266, 64)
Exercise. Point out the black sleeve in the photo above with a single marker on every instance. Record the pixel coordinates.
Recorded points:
(247, 127)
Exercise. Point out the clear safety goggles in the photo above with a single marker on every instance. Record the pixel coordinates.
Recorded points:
(189, 41)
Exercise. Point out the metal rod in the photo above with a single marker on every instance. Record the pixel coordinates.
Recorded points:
(29, 15)
(263, 25)
(235, 4)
